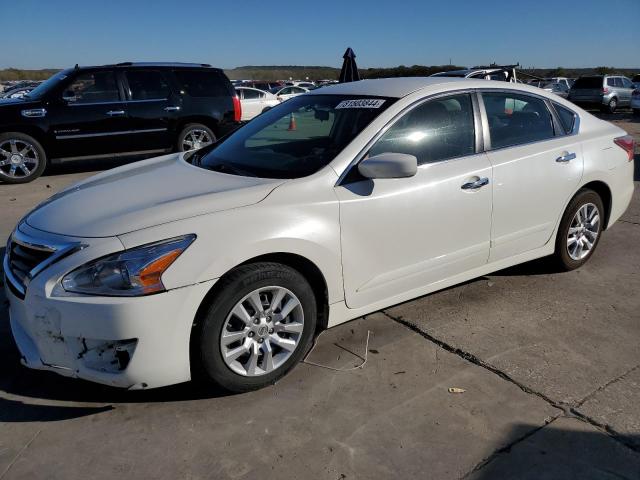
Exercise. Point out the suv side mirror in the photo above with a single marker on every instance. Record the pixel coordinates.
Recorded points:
(389, 165)
(69, 96)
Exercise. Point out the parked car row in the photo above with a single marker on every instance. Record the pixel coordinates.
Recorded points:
(132, 109)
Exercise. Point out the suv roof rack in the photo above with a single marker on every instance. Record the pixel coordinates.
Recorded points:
(162, 64)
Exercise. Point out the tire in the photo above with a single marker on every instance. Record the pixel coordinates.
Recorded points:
(567, 255)
(218, 320)
(611, 106)
(23, 155)
(266, 109)
(190, 133)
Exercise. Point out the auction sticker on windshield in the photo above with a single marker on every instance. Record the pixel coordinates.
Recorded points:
(362, 103)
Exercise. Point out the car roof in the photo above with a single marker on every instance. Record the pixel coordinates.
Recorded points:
(150, 64)
(387, 87)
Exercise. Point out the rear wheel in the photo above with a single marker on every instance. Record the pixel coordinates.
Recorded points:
(195, 136)
(612, 105)
(22, 158)
(258, 326)
(580, 230)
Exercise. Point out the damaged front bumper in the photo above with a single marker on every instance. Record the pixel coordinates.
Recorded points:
(133, 343)
(128, 342)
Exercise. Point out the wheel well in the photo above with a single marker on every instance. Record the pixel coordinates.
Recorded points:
(602, 189)
(34, 132)
(207, 121)
(306, 267)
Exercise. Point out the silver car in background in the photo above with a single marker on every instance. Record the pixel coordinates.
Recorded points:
(605, 91)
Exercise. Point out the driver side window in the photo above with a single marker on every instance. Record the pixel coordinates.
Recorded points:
(93, 87)
(437, 130)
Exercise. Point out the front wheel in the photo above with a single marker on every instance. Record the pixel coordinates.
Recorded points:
(258, 326)
(580, 230)
(22, 158)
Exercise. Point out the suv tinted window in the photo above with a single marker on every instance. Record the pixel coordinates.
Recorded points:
(611, 82)
(434, 131)
(567, 117)
(515, 119)
(250, 94)
(202, 83)
(626, 83)
(618, 82)
(588, 82)
(147, 85)
(93, 87)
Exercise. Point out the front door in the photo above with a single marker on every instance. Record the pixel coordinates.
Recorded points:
(91, 116)
(536, 168)
(401, 235)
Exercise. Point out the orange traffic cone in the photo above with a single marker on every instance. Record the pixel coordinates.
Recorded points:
(292, 123)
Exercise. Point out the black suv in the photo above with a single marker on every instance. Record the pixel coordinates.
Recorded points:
(137, 109)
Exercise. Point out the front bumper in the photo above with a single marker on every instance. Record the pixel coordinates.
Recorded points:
(129, 342)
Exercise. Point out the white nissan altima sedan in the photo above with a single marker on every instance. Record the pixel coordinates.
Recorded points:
(226, 261)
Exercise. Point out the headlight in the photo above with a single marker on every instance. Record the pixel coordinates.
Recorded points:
(129, 273)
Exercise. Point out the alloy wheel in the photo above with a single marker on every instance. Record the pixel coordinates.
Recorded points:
(18, 158)
(583, 231)
(195, 139)
(262, 331)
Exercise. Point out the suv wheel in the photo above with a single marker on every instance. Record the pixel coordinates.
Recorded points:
(22, 158)
(195, 136)
(258, 327)
(580, 230)
(612, 105)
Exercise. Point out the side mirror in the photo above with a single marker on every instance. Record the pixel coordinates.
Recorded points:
(389, 165)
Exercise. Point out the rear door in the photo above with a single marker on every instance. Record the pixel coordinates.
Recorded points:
(536, 169)
(627, 88)
(251, 103)
(90, 118)
(151, 107)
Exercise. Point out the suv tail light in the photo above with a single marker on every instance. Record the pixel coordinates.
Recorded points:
(605, 90)
(237, 109)
(627, 143)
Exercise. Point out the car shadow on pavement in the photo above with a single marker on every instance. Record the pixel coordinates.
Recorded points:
(95, 165)
(567, 449)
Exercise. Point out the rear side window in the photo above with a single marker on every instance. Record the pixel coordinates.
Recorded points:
(611, 82)
(588, 82)
(93, 87)
(618, 82)
(147, 85)
(516, 119)
(434, 131)
(202, 83)
(250, 94)
(567, 117)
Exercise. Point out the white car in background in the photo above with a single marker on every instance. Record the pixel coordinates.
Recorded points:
(285, 93)
(226, 261)
(254, 102)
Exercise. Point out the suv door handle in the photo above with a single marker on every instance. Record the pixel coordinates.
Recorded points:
(115, 113)
(475, 185)
(171, 108)
(566, 157)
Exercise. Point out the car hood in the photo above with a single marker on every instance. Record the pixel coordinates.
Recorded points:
(16, 101)
(145, 194)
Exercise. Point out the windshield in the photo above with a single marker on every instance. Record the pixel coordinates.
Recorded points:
(294, 139)
(47, 85)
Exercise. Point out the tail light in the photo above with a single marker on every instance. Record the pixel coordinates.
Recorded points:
(605, 90)
(627, 143)
(237, 109)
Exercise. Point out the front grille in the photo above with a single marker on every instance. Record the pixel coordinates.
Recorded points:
(23, 259)
(27, 256)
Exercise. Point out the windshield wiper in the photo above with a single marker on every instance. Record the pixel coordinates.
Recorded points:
(225, 167)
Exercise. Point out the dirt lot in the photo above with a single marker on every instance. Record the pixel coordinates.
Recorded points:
(550, 365)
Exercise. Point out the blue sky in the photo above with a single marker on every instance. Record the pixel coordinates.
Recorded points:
(541, 33)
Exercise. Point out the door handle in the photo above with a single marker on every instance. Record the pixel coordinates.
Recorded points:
(171, 108)
(565, 157)
(115, 113)
(475, 185)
